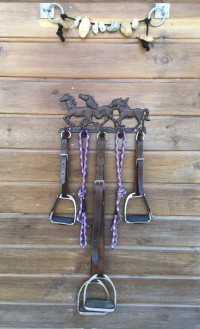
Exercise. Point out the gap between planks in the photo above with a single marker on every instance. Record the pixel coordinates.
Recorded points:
(97, 80)
(157, 218)
(105, 79)
(118, 305)
(93, 151)
(109, 185)
(82, 276)
(131, 248)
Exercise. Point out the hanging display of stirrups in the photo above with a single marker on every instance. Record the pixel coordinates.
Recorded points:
(89, 116)
(125, 26)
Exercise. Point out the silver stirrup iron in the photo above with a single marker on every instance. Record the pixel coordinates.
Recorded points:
(87, 306)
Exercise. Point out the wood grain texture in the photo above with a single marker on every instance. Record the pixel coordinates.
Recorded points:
(41, 96)
(155, 267)
(144, 261)
(84, 60)
(165, 200)
(65, 317)
(129, 290)
(183, 22)
(159, 167)
(161, 232)
(33, 132)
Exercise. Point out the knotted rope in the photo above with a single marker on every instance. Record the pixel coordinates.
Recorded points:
(120, 191)
(82, 191)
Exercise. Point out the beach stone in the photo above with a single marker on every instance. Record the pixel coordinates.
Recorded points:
(95, 28)
(84, 27)
(102, 27)
(115, 25)
(77, 21)
(147, 38)
(135, 23)
(126, 28)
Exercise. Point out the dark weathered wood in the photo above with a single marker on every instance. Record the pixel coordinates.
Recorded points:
(134, 290)
(172, 232)
(163, 133)
(38, 96)
(91, 60)
(144, 261)
(165, 200)
(65, 316)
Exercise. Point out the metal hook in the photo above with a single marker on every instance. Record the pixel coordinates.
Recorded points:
(48, 11)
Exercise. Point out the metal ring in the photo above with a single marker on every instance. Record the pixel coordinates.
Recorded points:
(139, 132)
(69, 133)
(120, 132)
(102, 132)
(48, 12)
(161, 22)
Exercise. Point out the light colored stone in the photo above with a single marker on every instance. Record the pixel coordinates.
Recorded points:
(95, 28)
(102, 27)
(84, 27)
(115, 25)
(77, 21)
(147, 38)
(135, 23)
(126, 28)
(63, 23)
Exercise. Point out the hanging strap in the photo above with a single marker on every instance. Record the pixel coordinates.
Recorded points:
(82, 191)
(120, 190)
(64, 162)
(138, 185)
(64, 219)
(98, 221)
(139, 164)
(98, 306)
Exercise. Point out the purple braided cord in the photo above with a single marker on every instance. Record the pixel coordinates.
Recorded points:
(120, 191)
(81, 217)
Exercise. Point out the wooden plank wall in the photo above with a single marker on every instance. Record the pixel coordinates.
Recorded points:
(155, 267)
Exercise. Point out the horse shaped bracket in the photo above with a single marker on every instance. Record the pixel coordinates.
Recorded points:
(93, 110)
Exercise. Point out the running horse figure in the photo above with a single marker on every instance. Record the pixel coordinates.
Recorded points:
(87, 112)
(125, 112)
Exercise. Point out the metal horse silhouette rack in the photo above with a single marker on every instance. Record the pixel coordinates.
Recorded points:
(92, 111)
(88, 115)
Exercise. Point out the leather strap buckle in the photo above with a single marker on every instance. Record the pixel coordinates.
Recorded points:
(137, 218)
(100, 181)
(87, 306)
(59, 219)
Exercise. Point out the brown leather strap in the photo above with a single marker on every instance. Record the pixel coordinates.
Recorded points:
(64, 162)
(139, 161)
(98, 221)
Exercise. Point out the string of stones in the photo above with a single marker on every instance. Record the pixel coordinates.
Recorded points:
(126, 27)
